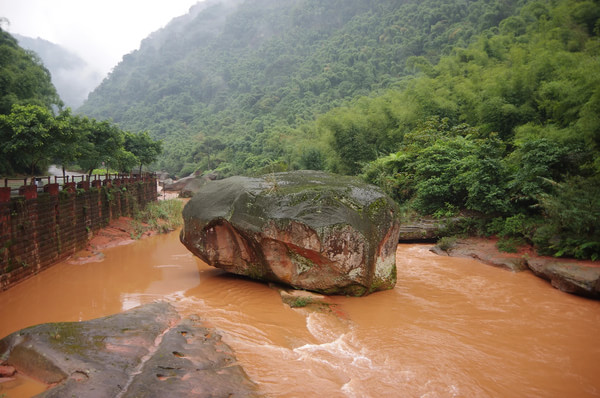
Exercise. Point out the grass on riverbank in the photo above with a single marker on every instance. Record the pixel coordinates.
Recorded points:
(162, 216)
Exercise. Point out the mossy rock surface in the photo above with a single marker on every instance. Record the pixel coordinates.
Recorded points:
(144, 352)
(311, 230)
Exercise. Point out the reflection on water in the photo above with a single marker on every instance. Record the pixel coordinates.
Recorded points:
(451, 327)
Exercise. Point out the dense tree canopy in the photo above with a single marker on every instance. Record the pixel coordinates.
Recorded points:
(31, 137)
(457, 106)
(23, 78)
(530, 160)
(27, 135)
(250, 72)
(144, 149)
(35, 130)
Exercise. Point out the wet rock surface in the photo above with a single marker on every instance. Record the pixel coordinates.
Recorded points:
(144, 352)
(310, 230)
(422, 229)
(486, 253)
(569, 277)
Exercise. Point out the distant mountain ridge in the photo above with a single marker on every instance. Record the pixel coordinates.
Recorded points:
(247, 71)
(71, 75)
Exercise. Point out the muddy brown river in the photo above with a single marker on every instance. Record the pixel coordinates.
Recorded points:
(451, 328)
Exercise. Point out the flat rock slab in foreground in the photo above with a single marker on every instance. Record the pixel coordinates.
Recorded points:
(145, 352)
(310, 230)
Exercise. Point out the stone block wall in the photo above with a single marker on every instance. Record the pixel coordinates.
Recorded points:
(38, 230)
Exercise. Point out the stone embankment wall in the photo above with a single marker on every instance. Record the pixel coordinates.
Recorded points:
(38, 230)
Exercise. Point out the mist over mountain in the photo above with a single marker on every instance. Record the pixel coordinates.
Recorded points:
(71, 75)
(247, 71)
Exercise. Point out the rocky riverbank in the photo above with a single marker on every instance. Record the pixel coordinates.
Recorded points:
(568, 275)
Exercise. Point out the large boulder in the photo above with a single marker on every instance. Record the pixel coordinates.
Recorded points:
(145, 352)
(311, 230)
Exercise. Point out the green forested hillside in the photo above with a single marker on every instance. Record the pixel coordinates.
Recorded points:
(508, 127)
(489, 108)
(248, 72)
(23, 77)
(24, 82)
(35, 131)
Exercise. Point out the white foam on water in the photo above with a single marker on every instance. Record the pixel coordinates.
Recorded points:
(167, 266)
(439, 388)
(335, 347)
(364, 371)
(132, 300)
(183, 255)
(325, 327)
(330, 356)
(236, 327)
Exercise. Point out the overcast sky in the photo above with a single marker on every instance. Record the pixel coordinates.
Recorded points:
(100, 31)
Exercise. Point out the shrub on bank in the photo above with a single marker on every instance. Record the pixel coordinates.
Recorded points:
(162, 216)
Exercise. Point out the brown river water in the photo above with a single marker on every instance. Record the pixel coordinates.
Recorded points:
(450, 328)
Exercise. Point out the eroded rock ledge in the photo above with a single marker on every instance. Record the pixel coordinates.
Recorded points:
(144, 352)
(581, 278)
